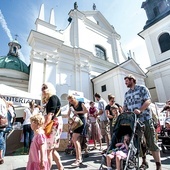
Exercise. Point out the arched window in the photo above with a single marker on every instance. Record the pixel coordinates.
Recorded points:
(164, 42)
(100, 52)
(64, 96)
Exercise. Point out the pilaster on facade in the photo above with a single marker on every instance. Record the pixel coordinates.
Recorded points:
(162, 95)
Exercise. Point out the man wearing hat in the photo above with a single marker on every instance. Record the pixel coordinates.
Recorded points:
(137, 99)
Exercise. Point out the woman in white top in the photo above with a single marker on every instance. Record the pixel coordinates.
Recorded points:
(27, 131)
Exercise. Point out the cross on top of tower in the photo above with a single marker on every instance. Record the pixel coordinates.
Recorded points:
(16, 36)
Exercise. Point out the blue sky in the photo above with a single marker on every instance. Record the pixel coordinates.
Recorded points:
(127, 17)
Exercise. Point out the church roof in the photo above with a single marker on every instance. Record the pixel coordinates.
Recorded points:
(155, 10)
(14, 63)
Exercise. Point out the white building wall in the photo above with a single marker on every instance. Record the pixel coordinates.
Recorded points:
(70, 55)
(115, 84)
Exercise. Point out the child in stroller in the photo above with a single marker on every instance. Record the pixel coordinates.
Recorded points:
(126, 123)
(120, 152)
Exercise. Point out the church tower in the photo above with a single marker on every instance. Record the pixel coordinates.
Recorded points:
(156, 34)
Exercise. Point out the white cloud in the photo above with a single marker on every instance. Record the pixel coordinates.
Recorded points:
(5, 26)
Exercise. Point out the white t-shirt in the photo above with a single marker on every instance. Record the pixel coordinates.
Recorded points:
(3, 109)
(27, 117)
(101, 106)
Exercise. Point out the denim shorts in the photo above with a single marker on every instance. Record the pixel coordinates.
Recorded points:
(2, 140)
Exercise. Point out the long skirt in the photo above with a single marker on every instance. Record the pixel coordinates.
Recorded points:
(95, 131)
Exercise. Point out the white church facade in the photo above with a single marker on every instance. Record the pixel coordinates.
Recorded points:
(70, 59)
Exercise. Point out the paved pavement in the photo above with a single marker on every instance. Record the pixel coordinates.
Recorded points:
(93, 162)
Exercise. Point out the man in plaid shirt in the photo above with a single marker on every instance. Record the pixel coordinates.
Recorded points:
(137, 100)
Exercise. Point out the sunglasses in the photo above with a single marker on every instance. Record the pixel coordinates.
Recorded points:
(44, 88)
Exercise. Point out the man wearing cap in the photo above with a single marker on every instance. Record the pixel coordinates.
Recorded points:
(137, 99)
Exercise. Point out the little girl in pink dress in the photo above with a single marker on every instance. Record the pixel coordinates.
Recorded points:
(38, 150)
(120, 152)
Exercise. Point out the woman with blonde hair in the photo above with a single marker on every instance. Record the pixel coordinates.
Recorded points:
(52, 106)
(77, 108)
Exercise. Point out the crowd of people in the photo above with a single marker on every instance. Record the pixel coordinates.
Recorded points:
(101, 120)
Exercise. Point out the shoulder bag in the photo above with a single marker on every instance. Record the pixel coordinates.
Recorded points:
(75, 122)
(49, 126)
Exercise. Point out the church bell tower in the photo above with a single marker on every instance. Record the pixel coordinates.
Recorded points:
(156, 34)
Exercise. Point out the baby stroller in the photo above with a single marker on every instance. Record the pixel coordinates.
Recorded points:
(70, 147)
(126, 123)
(164, 136)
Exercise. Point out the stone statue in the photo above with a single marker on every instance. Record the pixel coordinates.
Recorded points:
(75, 5)
(94, 6)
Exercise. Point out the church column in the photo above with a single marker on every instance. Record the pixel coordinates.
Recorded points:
(114, 50)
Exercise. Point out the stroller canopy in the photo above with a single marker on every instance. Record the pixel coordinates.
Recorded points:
(125, 119)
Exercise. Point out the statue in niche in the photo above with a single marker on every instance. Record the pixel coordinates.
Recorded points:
(75, 5)
(94, 6)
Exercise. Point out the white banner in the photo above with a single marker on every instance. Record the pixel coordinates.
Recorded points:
(161, 115)
(19, 101)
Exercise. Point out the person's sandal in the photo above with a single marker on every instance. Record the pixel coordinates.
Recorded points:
(158, 166)
(101, 149)
(144, 166)
(1, 161)
(94, 148)
(76, 163)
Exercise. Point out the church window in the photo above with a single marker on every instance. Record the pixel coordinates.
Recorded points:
(14, 50)
(100, 52)
(164, 42)
(103, 88)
